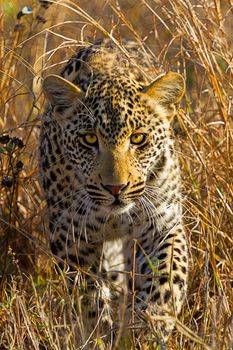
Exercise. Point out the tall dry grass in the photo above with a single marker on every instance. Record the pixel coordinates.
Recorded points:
(192, 37)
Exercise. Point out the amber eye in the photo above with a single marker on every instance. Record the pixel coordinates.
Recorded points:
(137, 139)
(90, 139)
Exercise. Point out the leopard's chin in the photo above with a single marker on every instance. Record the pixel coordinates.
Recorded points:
(116, 209)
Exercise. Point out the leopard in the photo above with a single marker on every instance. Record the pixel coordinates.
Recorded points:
(111, 177)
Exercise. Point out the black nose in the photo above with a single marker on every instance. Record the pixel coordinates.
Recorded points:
(115, 189)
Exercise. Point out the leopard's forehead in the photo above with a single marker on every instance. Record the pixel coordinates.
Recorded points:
(117, 101)
(114, 106)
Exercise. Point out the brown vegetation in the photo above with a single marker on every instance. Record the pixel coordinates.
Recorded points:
(192, 37)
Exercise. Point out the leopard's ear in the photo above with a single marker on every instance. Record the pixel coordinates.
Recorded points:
(167, 90)
(60, 92)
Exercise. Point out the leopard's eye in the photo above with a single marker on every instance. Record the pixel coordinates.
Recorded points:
(90, 139)
(137, 139)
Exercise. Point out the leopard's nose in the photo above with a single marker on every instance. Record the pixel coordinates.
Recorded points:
(115, 189)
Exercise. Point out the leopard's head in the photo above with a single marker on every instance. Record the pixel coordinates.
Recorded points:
(116, 133)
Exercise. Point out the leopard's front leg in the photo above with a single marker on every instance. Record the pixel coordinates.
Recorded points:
(160, 279)
(86, 279)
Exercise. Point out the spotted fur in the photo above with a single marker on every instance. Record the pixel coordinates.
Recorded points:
(110, 198)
